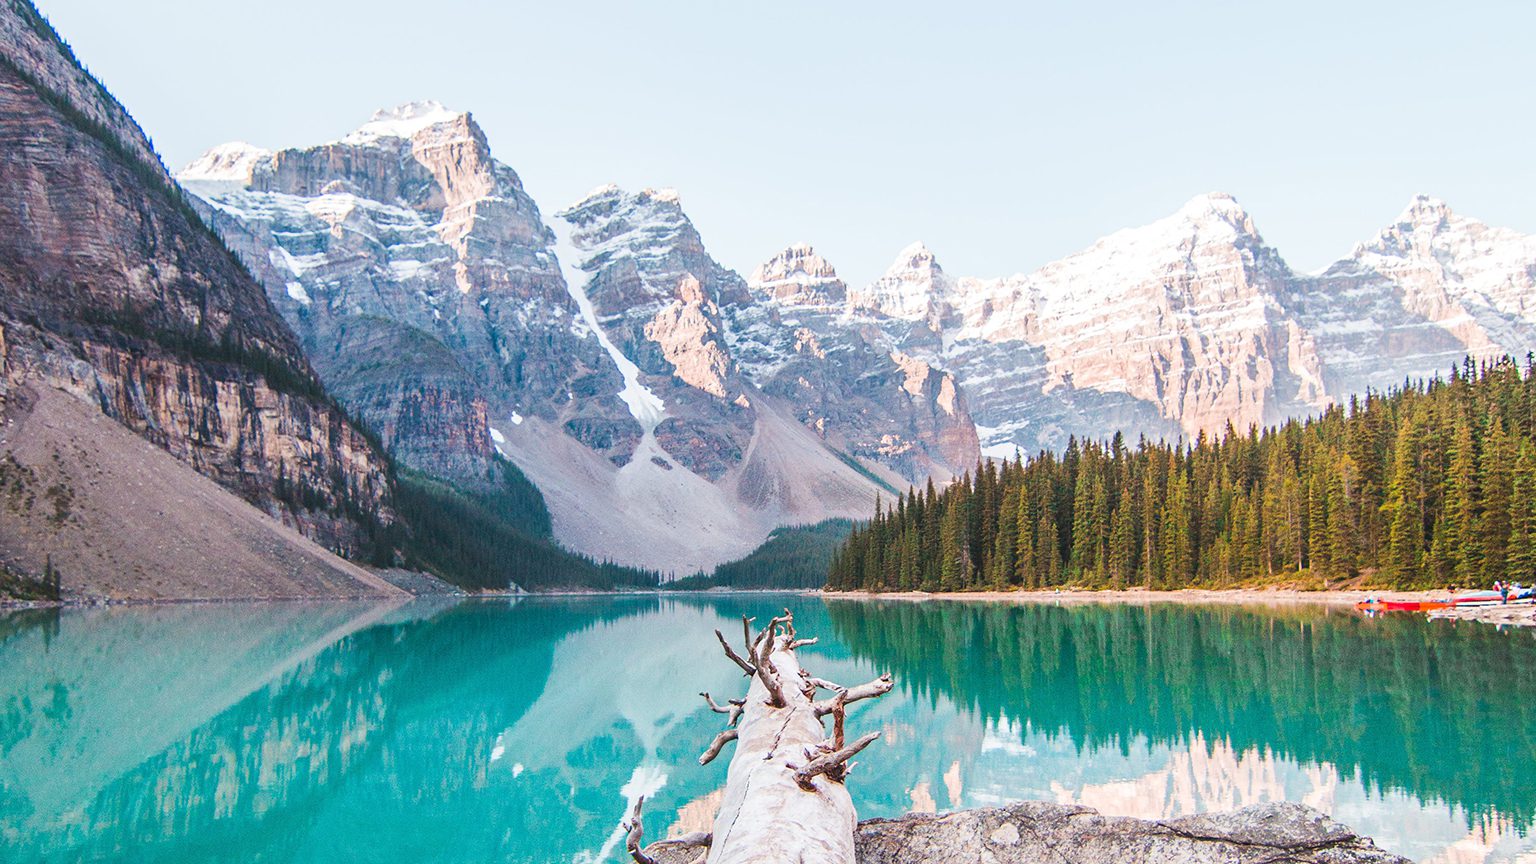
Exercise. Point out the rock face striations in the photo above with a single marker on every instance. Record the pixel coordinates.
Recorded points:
(847, 377)
(1193, 322)
(1168, 329)
(418, 276)
(1429, 290)
(112, 289)
(671, 412)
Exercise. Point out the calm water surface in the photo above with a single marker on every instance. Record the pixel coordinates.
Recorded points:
(517, 731)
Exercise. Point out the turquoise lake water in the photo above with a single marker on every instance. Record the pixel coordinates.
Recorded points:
(518, 730)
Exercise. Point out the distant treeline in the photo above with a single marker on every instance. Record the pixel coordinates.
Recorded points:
(793, 557)
(1423, 486)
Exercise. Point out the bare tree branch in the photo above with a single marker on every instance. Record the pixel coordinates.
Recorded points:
(769, 675)
(736, 658)
(801, 643)
(832, 764)
(733, 707)
(824, 684)
(746, 641)
(636, 834)
(839, 712)
(788, 618)
(878, 687)
(762, 646)
(724, 738)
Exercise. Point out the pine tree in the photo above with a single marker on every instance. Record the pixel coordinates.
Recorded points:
(1047, 551)
(1496, 479)
(955, 546)
(1404, 507)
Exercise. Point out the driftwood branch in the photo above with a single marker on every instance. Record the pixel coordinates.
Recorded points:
(833, 764)
(732, 707)
(823, 684)
(735, 658)
(725, 737)
(769, 675)
(878, 687)
(762, 646)
(636, 835)
(801, 643)
(839, 712)
(787, 620)
(762, 655)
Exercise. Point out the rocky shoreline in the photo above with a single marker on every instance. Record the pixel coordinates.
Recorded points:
(1067, 834)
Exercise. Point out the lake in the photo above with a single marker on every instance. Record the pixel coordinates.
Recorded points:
(517, 730)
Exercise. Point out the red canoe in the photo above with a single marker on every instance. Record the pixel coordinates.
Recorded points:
(1402, 605)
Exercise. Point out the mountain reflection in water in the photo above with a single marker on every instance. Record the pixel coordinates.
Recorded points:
(497, 730)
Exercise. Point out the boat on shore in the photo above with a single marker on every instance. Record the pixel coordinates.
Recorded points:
(1470, 599)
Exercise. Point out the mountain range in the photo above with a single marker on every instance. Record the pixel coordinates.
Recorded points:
(673, 412)
(381, 347)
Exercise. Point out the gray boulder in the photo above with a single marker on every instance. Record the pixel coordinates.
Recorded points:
(1036, 831)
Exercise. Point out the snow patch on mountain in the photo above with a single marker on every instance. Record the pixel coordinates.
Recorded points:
(232, 161)
(402, 121)
(644, 405)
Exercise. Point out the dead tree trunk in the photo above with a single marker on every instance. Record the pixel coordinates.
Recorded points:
(784, 796)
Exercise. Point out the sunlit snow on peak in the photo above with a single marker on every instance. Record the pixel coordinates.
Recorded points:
(231, 161)
(403, 121)
(665, 193)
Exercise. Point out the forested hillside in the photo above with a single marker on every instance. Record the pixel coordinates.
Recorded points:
(794, 557)
(1427, 485)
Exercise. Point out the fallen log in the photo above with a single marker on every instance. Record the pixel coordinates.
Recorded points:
(784, 795)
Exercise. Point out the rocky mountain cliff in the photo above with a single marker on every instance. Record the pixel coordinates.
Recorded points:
(847, 378)
(1193, 322)
(1162, 330)
(1432, 288)
(649, 391)
(113, 290)
(416, 272)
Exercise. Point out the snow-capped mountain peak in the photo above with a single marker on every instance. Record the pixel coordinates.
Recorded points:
(912, 288)
(402, 121)
(1424, 211)
(1216, 210)
(231, 161)
(224, 168)
(915, 256)
(797, 276)
(1428, 229)
(664, 194)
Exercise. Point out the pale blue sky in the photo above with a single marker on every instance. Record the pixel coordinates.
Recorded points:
(1003, 135)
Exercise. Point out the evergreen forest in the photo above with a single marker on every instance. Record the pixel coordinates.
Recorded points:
(1428, 485)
